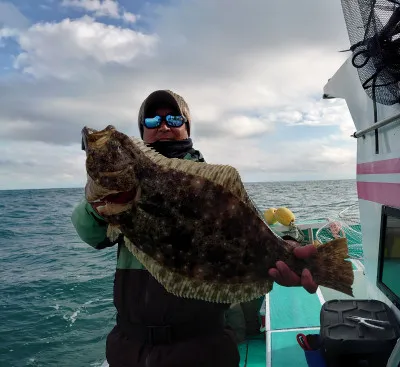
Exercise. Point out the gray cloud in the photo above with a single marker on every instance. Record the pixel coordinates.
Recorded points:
(242, 66)
(11, 163)
(242, 60)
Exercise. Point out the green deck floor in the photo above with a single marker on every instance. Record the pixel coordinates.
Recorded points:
(293, 308)
(286, 351)
(256, 356)
(290, 308)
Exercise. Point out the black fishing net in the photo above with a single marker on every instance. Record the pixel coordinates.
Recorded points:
(374, 32)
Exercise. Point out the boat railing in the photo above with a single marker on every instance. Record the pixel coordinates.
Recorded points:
(377, 125)
(320, 230)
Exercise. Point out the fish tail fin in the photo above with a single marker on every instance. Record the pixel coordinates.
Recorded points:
(332, 270)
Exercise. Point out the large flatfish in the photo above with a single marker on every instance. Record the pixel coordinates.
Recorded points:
(193, 225)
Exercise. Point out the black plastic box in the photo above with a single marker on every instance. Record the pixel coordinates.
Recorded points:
(347, 343)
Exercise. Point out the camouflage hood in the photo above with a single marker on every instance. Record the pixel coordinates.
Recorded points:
(164, 97)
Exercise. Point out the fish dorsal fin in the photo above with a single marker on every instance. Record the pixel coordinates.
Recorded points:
(224, 175)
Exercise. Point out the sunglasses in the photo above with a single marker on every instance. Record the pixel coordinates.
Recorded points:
(170, 120)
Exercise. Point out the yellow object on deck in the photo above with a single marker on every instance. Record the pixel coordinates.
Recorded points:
(284, 216)
(269, 215)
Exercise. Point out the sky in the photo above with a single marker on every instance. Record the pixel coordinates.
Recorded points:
(251, 71)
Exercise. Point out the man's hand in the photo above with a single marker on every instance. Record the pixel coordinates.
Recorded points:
(287, 278)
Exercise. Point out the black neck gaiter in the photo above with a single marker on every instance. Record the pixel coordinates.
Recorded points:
(173, 148)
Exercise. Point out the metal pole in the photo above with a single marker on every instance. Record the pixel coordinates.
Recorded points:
(376, 126)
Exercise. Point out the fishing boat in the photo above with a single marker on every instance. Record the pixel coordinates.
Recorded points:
(369, 82)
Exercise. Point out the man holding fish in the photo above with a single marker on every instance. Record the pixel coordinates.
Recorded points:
(156, 327)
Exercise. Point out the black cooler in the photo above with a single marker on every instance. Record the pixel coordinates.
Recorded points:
(347, 343)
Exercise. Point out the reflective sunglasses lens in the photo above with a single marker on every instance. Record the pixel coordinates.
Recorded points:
(175, 121)
(152, 122)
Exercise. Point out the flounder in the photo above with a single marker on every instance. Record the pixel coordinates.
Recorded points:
(193, 225)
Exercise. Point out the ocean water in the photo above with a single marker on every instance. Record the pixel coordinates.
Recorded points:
(56, 292)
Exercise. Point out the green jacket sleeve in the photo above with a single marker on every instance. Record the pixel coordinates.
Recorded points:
(89, 225)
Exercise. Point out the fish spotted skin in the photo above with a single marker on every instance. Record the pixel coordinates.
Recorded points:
(193, 225)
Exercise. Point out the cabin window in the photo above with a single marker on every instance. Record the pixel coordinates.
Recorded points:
(389, 254)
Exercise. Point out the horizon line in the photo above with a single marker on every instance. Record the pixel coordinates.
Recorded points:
(244, 182)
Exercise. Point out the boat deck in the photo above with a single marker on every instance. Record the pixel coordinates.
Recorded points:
(288, 312)
(291, 310)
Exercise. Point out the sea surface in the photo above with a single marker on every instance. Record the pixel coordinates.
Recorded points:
(56, 292)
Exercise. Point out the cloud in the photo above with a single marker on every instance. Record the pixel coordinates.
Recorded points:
(332, 112)
(86, 45)
(129, 17)
(102, 8)
(246, 77)
(37, 165)
(276, 160)
(237, 126)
